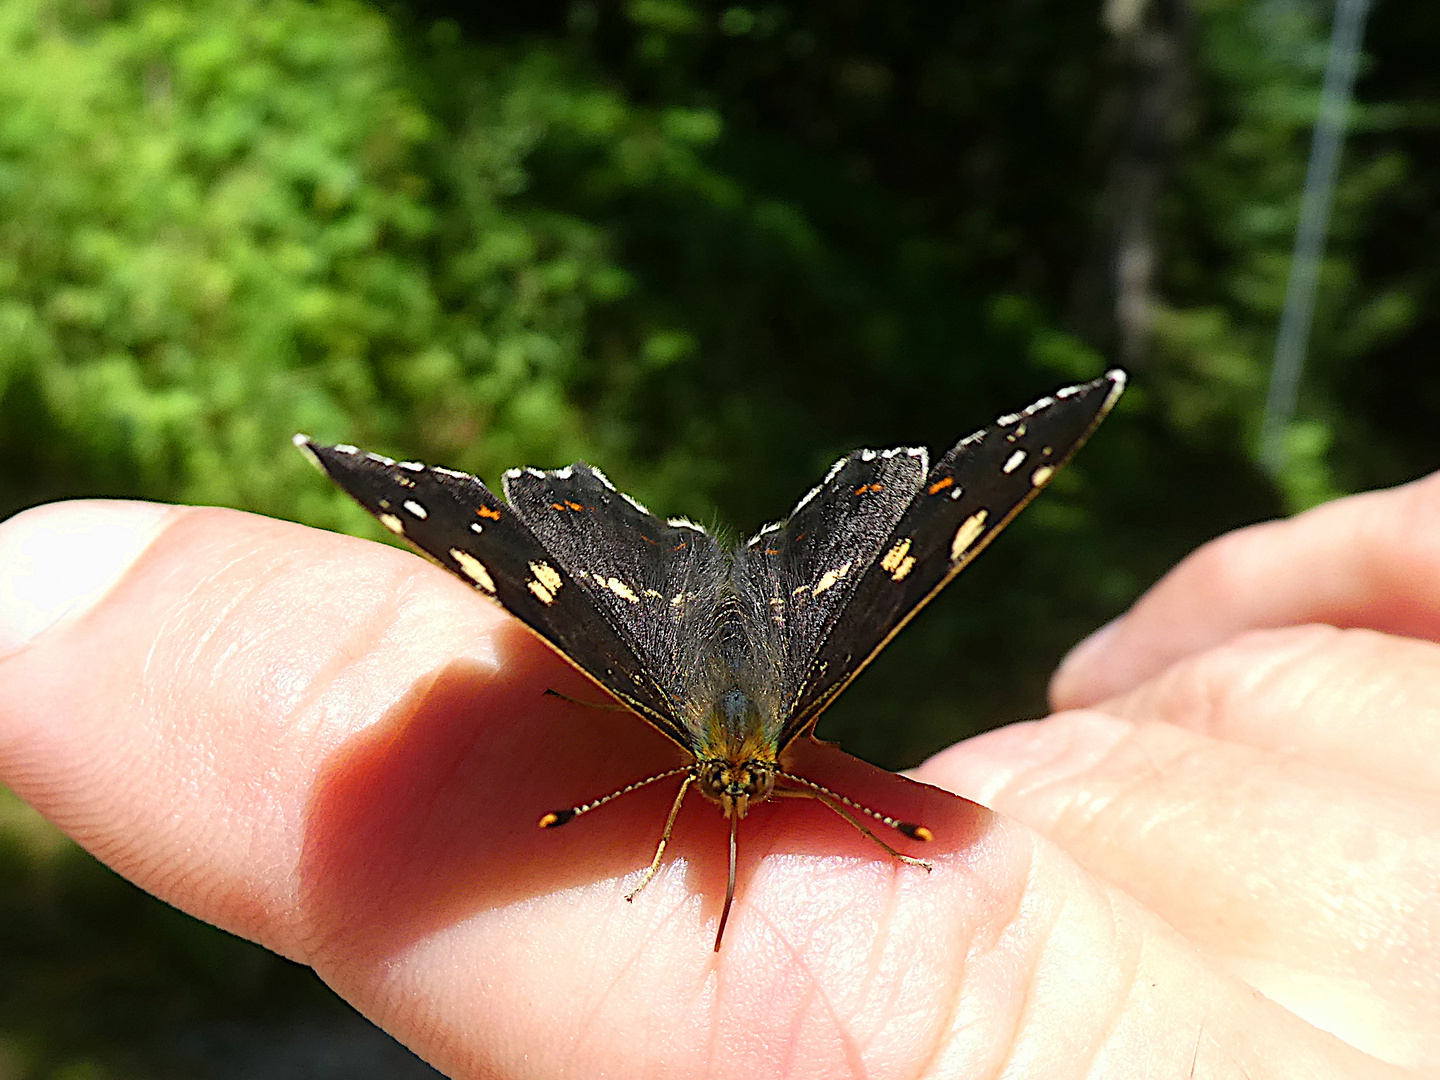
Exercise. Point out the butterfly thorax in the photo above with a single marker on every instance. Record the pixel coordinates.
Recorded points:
(735, 763)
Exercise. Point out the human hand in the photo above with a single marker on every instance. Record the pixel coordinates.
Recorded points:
(333, 749)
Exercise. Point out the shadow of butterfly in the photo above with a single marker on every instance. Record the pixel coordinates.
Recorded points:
(731, 653)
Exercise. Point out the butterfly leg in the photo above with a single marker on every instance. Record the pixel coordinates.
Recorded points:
(818, 796)
(654, 867)
(608, 706)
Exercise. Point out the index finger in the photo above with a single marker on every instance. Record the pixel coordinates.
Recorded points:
(1369, 561)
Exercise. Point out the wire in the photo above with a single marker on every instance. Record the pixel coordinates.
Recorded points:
(1298, 315)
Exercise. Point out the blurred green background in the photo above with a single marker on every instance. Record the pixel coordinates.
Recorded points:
(710, 248)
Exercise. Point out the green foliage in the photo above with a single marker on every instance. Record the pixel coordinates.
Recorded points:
(1231, 220)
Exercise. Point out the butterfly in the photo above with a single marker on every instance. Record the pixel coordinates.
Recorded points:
(731, 653)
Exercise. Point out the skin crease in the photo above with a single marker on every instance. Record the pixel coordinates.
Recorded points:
(1221, 862)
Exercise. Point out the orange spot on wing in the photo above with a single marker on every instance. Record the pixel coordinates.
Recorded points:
(486, 512)
(940, 485)
(866, 489)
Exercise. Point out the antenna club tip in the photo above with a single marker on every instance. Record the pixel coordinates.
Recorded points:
(916, 832)
(556, 818)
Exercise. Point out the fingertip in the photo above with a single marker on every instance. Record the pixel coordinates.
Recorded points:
(1079, 678)
(1002, 768)
(57, 560)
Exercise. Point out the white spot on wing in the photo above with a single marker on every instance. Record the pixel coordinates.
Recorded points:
(765, 530)
(302, 443)
(1041, 476)
(1014, 462)
(416, 509)
(685, 523)
(412, 466)
(476, 528)
(636, 503)
(393, 523)
(804, 499)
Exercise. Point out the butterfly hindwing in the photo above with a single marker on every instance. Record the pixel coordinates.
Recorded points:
(466, 528)
(661, 582)
(805, 569)
(966, 498)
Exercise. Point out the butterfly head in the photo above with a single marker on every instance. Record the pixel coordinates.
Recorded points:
(734, 785)
(736, 761)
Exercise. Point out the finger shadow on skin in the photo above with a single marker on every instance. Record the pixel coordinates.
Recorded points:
(431, 816)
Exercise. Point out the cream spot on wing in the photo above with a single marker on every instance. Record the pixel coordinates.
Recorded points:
(967, 534)
(1014, 462)
(416, 509)
(619, 588)
(474, 570)
(546, 582)
(1041, 476)
(898, 561)
(829, 578)
(393, 523)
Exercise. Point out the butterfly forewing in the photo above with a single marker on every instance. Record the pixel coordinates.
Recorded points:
(969, 495)
(466, 528)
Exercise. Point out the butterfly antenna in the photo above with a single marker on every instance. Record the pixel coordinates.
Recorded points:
(729, 884)
(834, 800)
(555, 818)
(608, 706)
